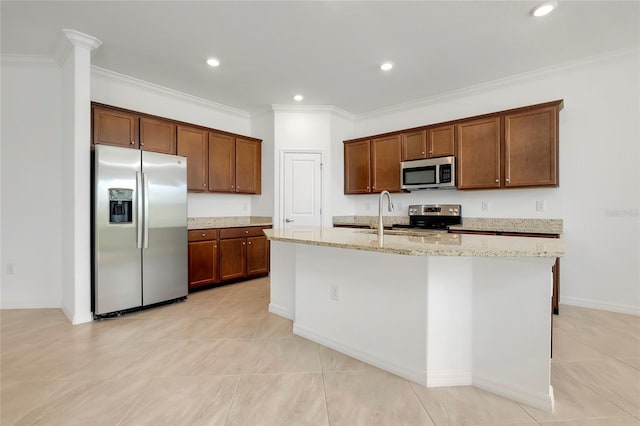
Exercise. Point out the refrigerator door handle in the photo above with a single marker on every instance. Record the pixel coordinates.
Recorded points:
(145, 178)
(139, 219)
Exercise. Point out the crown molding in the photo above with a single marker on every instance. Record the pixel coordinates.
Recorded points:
(125, 79)
(493, 84)
(10, 58)
(73, 38)
(313, 108)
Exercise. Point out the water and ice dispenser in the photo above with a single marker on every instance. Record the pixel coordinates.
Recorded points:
(120, 205)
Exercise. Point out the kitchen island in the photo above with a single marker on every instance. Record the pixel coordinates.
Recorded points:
(436, 308)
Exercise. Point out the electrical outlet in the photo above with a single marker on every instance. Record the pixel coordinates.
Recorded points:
(334, 294)
(11, 268)
(485, 206)
(540, 206)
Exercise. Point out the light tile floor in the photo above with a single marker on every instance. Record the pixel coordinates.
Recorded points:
(221, 359)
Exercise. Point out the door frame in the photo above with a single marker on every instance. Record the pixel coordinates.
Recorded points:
(281, 200)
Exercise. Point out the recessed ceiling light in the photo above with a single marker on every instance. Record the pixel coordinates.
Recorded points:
(543, 8)
(298, 98)
(213, 62)
(386, 66)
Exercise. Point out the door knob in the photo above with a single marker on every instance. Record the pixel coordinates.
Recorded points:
(289, 220)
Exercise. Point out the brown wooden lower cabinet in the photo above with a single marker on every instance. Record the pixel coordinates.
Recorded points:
(227, 254)
(233, 258)
(203, 257)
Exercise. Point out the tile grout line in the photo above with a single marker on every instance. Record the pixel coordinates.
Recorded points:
(421, 403)
(324, 386)
(592, 389)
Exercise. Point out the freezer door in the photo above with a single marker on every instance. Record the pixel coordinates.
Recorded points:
(117, 258)
(164, 253)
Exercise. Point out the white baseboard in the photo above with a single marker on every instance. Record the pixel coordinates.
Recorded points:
(279, 310)
(448, 378)
(541, 401)
(595, 304)
(416, 376)
(427, 379)
(82, 318)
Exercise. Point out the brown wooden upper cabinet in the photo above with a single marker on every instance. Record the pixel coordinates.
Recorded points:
(235, 164)
(478, 159)
(414, 145)
(531, 148)
(248, 166)
(357, 167)
(441, 141)
(129, 130)
(430, 143)
(113, 127)
(372, 165)
(157, 135)
(193, 144)
(525, 154)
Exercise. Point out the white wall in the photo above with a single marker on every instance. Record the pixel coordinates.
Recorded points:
(598, 197)
(302, 128)
(263, 125)
(31, 183)
(115, 89)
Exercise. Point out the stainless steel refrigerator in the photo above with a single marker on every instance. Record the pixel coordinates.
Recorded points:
(139, 220)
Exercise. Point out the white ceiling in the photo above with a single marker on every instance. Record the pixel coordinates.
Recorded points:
(328, 51)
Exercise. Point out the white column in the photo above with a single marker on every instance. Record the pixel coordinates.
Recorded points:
(74, 56)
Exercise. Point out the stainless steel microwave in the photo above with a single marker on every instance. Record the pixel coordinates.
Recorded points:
(430, 173)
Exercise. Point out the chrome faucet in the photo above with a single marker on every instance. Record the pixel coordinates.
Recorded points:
(380, 225)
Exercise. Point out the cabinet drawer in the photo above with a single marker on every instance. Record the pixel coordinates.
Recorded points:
(203, 234)
(250, 231)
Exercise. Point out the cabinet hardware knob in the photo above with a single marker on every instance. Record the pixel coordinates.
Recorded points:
(507, 179)
(216, 246)
(204, 184)
(141, 143)
(249, 242)
(497, 180)
(243, 243)
(231, 186)
(203, 234)
(246, 232)
(430, 152)
(132, 142)
(422, 152)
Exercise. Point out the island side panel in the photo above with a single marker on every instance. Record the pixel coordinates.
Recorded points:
(282, 279)
(449, 320)
(512, 328)
(380, 314)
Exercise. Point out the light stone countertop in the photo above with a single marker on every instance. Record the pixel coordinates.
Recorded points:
(534, 226)
(227, 222)
(423, 243)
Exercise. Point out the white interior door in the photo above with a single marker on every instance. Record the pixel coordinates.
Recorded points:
(302, 189)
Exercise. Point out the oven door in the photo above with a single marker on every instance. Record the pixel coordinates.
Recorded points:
(420, 176)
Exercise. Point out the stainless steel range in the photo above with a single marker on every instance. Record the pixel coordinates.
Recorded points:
(432, 216)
